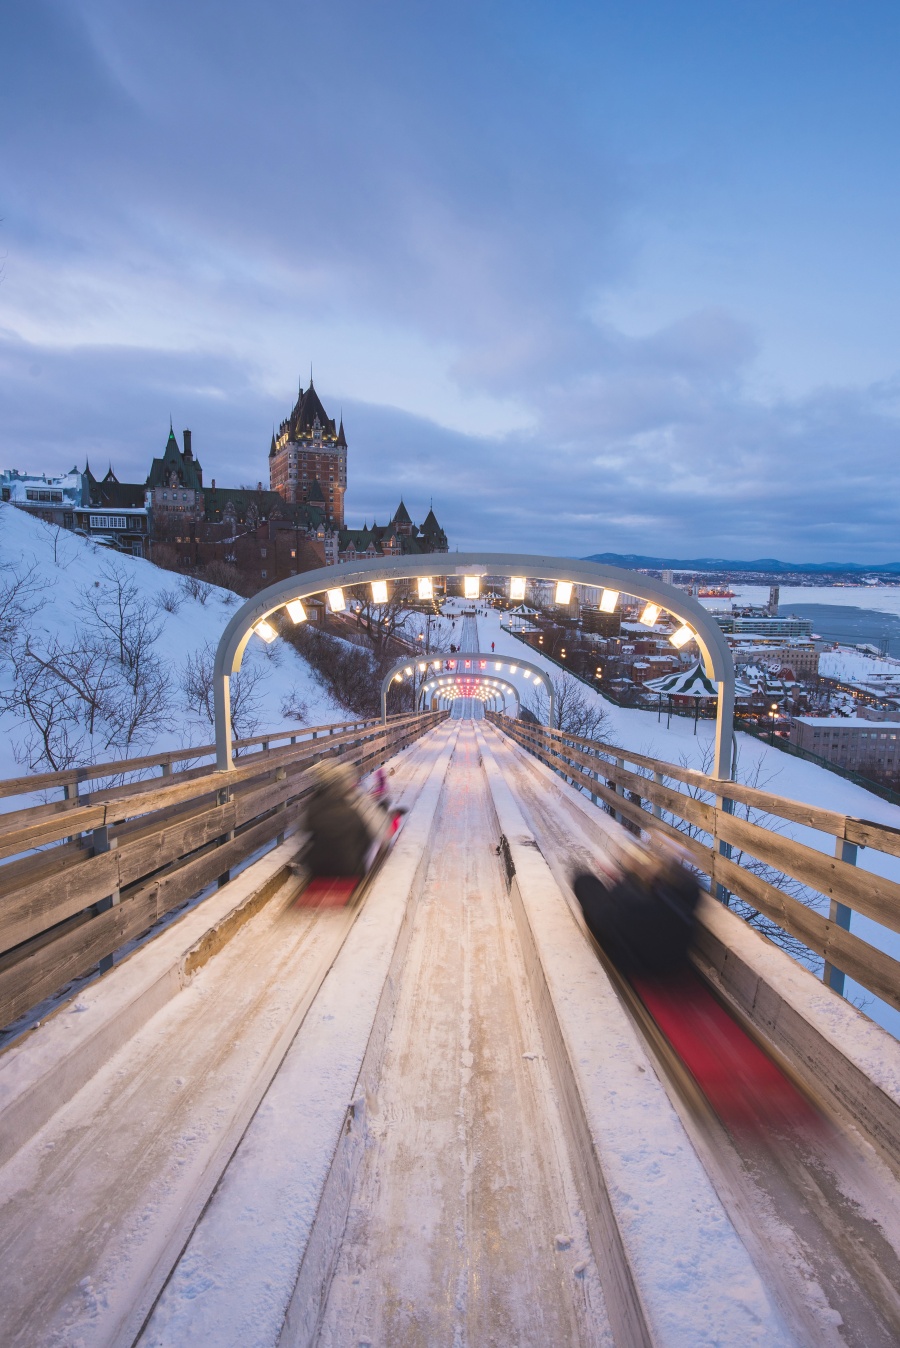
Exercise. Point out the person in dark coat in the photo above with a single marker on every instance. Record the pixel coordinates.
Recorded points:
(337, 817)
(644, 920)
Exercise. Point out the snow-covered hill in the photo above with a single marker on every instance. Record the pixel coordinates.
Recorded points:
(104, 656)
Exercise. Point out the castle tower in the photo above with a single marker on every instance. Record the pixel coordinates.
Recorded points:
(310, 450)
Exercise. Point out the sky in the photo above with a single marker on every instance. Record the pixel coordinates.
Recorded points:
(588, 276)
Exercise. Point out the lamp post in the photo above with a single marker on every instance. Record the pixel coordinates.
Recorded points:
(773, 712)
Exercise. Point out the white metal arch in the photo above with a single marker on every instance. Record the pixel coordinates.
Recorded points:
(713, 646)
(494, 666)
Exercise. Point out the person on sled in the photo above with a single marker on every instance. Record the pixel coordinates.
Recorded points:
(644, 918)
(344, 823)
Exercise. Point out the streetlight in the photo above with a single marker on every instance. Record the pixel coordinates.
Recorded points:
(773, 713)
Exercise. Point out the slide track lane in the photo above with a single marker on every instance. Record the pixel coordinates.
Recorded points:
(153, 1116)
(835, 1269)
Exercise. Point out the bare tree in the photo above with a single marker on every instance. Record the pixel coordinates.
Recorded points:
(21, 597)
(576, 710)
(195, 588)
(197, 685)
(169, 600)
(120, 616)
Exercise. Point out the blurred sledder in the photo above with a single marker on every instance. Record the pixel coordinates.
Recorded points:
(644, 919)
(349, 833)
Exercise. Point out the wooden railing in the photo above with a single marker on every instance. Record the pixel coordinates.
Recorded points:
(87, 874)
(694, 810)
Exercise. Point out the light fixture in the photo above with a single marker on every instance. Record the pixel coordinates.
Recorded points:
(408, 669)
(513, 668)
(608, 601)
(471, 586)
(538, 682)
(426, 589)
(517, 587)
(336, 601)
(681, 637)
(422, 668)
(650, 615)
(265, 630)
(498, 666)
(379, 592)
(563, 592)
(296, 611)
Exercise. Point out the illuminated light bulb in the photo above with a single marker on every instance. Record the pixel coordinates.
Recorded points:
(296, 611)
(426, 589)
(265, 630)
(408, 669)
(563, 592)
(681, 637)
(538, 683)
(608, 601)
(498, 666)
(471, 586)
(379, 592)
(422, 668)
(650, 615)
(336, 601)
(517, 587)
(513, 669)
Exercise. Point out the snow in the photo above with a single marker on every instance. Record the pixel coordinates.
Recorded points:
(66, 582)
(883, 599)
(759, 764)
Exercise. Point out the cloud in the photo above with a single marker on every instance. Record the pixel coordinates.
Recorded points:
(430, 207)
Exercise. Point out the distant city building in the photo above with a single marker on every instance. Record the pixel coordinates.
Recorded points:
(852, 742)
(308, 458)
(398, 538)
(762, 626)
(52, 499)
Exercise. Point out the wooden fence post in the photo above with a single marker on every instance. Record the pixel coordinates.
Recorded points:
(839, 913)
(102, 842)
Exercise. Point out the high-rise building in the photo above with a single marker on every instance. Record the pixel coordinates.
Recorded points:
(308, 458)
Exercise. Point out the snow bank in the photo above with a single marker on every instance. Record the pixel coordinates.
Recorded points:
(68, 574)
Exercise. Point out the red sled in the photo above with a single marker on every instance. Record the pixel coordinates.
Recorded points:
(336, 891)
(747, 1090)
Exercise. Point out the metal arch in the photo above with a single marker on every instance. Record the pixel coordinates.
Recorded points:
(713, 646)
(498, 694)
(481, 676)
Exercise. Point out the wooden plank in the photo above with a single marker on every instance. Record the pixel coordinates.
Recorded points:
(700, 853)
(41, 781)
(695, 812)
(869, 967)
(866, 833)
(18, 835)
(50, 960)
(42, 904)
(872, 895)
(55, 963)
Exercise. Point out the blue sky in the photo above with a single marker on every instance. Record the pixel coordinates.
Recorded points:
(592, 276)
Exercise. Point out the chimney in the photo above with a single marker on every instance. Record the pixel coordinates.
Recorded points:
(187, 445)
(259, 486)
(214, 484)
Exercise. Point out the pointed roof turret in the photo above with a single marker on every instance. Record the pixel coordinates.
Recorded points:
(341, 438)
(402, 515)
(303, 417)
(272, 447)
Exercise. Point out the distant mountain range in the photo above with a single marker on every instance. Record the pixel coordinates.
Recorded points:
(634, 562)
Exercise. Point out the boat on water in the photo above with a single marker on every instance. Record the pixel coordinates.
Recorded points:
(716, 592)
